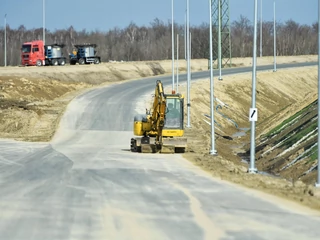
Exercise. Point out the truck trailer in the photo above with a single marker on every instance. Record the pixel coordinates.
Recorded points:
(54, 55)
(84, 54)
(35, 53)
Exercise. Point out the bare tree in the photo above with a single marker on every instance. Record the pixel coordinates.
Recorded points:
(153, 42)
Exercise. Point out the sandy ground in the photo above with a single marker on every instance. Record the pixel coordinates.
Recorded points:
(270, 60)
(32, 100)
(30, 108)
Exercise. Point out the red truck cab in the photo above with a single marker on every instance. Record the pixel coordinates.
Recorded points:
(32, 53)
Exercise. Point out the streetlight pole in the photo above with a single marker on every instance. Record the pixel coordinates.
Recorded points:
(177, 86)
(274, 38)
(185, 35)
(172, 43)
(190, 49)
(43, 22)
(261, 28)
(5, 40)
(188, 62)
(212, 150)
(219, 38)
(318, 178)
(252, 168)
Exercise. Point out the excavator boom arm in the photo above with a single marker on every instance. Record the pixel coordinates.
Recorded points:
(159, 111)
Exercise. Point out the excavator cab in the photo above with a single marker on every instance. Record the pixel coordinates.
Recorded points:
(173, 126)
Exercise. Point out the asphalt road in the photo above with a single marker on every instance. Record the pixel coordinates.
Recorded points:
(86, 185)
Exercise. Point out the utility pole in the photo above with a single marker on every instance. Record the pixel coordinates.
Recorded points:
(5, 40)
(190, 51)
(212, 150)
(185, 35)
(274, 38)
(172, 43)
(177, 86)
(253, 111)
(188, 60)
(318, 178)
(261, 28)
(43, 21)
(219, 38)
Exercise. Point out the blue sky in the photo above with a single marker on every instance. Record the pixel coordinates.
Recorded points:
(106, 14)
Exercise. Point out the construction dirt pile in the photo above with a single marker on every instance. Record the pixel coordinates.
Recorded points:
(279, 95)
(30, 108)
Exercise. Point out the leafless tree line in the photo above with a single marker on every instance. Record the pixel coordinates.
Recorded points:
(153, 42)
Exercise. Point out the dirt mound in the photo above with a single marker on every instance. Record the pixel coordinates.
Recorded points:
(31, 108)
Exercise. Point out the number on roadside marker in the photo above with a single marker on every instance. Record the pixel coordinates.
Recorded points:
(253, 115)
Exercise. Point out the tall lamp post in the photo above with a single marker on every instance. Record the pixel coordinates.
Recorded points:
(188, 67)
(172, 43)
(274, 38)
(261, 28)
(219, 38)
(212, 150)
(318, 178)
(185, 35)
(43, 22)
(253, 111)
(5, 40)
(177, 80)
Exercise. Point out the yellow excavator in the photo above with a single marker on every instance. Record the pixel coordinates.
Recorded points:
(161, 129)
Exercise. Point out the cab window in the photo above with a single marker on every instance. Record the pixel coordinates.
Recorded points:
(173, 113)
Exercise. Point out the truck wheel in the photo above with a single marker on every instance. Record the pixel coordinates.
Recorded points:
(38, 63)
(62, 62)
(96, 61)
(81, 61)
(54, 62)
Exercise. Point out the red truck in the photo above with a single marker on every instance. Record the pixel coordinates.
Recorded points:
(35, 53)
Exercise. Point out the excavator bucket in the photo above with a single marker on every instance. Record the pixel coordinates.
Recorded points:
(147, 148)
(174, 145)
(167, 149)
